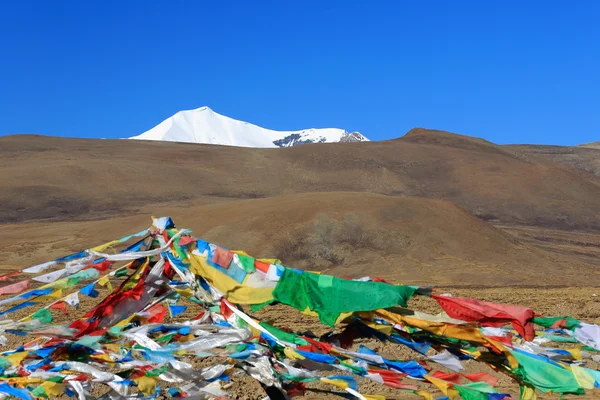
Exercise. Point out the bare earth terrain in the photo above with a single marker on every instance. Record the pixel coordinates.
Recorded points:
(514, 224)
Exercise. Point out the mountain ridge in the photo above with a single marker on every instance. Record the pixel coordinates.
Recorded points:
(204, 125)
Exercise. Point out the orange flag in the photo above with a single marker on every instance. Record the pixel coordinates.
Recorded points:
(6, 276)
(61, 305)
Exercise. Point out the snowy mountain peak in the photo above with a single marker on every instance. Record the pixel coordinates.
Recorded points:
(203, 125)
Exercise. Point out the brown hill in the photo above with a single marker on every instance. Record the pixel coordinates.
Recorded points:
(55, 178)
(592, 145)
(294, 203)
(404, 239)
(578, 159)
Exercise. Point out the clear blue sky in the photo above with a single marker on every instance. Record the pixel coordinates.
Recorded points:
(508, 71)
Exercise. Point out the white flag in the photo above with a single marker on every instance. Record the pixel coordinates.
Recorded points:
(51, 276)
(73, 299)
(448, 360)
(36, 269)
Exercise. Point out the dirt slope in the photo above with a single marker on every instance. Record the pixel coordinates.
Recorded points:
(376, 208)
(404, 239)
(42, 177)
(578, 159)
(592, 145)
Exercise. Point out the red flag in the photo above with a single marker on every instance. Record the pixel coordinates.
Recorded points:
(489, 314)
(97, 332)
(222, 257)
(82, 326)
(61, 305)
(102, 266)
(450, 377)
(169, 271)
(225, 310)
(112, 300)
(320, 346)
(503, 339)
(186, 240)
(296, 389)
(157, 313)
(54, 341)
(377, 279)
(388, 373)
(80, 378)
(199, 316)
(482, 377)
(393, 379)
(261, 266)
(6, 276)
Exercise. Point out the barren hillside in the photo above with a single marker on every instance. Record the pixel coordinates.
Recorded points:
(578, 159)
(54, 178)
(416, 209)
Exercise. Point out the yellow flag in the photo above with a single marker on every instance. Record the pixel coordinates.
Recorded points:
(26, 380)
(270, 260)
(576, 353)
(187, 292)
(104, 281)
(464, 332)
(342, 384)
(53, 388)
(308, 311)
(443, 386)
(186, 338)
(584, 378)
(255, 332)
(57, 294)
(112, 347)
(343, 316)
(146, 385)
(292, 355)
(236, 293)
(16, 358)
(373, 397)
(103, 356)
(425, 395)
(528, 393)
(386, 329)
(136, 276)
(125, 321)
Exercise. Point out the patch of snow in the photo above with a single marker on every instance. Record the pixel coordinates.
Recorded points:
(203, 125)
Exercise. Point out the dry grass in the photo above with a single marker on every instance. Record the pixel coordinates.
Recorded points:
(409, 240)
(327, 242)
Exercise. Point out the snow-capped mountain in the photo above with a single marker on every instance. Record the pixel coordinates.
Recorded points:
(203, 125)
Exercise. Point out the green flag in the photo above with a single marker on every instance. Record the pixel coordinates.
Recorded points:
(329, 296)
(43, 315)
